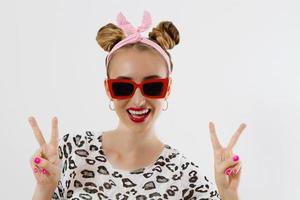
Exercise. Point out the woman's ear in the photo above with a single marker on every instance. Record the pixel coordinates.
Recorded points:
(107, 89)
(169, 87)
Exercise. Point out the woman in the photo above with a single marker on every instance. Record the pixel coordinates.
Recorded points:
(130, 162)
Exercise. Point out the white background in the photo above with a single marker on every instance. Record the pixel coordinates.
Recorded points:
(237, 61)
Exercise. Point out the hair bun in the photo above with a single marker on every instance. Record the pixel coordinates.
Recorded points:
(109, 35)
(165, 34)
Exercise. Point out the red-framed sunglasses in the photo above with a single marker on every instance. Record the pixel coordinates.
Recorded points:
(125, 88)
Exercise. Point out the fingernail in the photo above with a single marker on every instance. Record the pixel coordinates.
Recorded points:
(44, 171)
(235, 158)
(235, 171)
(35, 170)
(228, 172)
(37, 160)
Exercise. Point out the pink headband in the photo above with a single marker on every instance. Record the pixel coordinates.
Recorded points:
(133, 36)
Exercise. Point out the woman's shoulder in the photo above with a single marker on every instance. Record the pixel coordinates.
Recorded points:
(178, 156)
(176, 159)
(80, 138)
(79, 143)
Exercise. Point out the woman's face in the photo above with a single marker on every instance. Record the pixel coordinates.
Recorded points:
(138, 66)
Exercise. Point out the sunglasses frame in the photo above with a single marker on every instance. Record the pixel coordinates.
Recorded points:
(165, 82)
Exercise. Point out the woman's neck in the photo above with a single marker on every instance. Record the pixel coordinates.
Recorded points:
(131, 142)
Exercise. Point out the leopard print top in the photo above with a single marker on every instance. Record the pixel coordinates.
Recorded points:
(87, 174)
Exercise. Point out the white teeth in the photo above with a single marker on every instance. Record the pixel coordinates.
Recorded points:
(138, 112)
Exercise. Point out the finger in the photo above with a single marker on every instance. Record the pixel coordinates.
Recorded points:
(44, 165)
(39, 173)
(238, 174)
(213, 136)
(35, 169)
(236, 169)
(235, 178)
(236, 136)
(228, 163)
(36, 130)
(233, 170)
(54, 134)
(226, 155)
(36, 153)
(228, 171)
(53, 157)
(48, 152)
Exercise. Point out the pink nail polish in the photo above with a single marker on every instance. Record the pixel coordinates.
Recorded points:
(35, 170)
(37, 160)
(228, 172)
(44, 171)
(235, 158)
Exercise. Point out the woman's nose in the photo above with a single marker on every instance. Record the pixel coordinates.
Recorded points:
(138, 98)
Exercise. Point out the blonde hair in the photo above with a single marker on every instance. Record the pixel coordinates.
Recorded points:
(165, 34)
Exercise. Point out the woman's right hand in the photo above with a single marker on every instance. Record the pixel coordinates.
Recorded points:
(45, 161)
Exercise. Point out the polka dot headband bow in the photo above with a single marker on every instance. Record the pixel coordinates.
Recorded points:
(133, 35)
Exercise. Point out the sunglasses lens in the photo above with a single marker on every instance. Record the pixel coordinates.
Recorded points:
(153, 89)
(122, 89)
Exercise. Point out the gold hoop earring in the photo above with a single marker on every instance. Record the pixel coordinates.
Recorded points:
(166, 108)
(110, 105)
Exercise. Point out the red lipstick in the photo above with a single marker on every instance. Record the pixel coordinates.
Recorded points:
(136, 108)
(137, 117)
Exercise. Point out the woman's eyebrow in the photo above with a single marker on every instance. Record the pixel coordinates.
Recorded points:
(145, 78)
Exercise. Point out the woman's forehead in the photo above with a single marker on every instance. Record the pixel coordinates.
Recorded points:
(143, 78)
(138, 74)
(137, 65)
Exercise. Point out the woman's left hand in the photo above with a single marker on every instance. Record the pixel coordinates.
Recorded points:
(227, 165)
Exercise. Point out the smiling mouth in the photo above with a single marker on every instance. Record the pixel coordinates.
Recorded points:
(138, 116)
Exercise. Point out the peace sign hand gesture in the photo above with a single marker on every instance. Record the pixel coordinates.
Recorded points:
(227, 165)
(45, 161)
